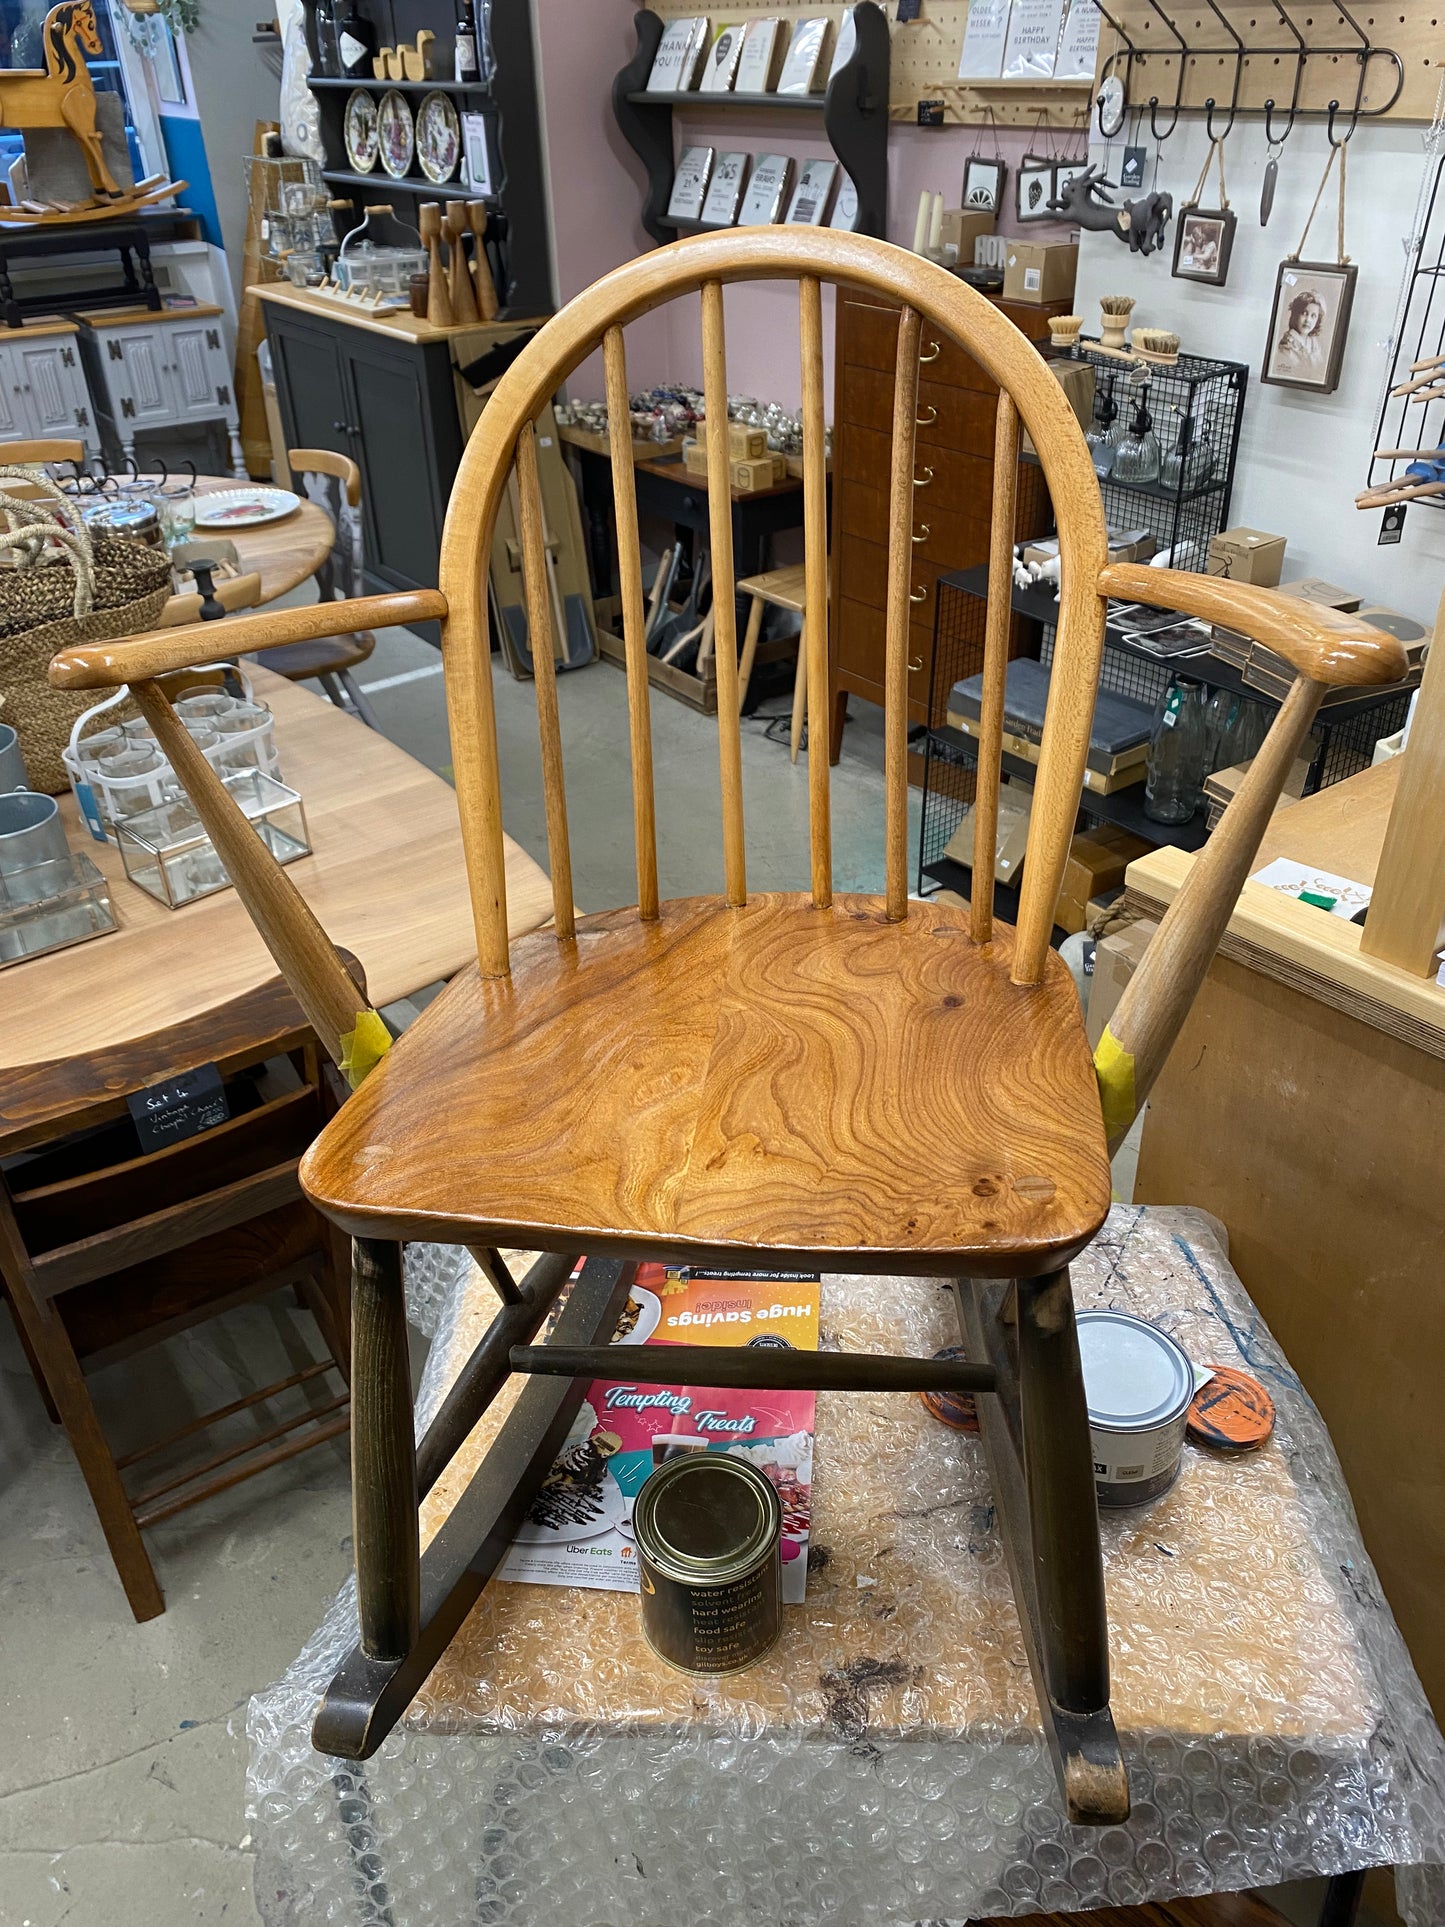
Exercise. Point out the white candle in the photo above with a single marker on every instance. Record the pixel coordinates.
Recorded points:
(935, 227)
(920, 225)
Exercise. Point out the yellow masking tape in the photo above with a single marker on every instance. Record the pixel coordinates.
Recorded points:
(362, 1049)
(1114, 1068)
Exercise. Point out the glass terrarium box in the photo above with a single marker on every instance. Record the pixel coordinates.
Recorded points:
(167, 852)
(52, 905)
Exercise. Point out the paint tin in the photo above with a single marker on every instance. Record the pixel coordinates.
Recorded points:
(707, 1528)
(1139, 1385)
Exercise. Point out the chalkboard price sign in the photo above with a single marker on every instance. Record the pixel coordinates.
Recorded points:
(180, 1108)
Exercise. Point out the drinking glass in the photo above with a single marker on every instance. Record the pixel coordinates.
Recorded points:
(178, 515)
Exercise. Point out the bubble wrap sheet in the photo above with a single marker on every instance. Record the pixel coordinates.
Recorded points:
(885, 1762)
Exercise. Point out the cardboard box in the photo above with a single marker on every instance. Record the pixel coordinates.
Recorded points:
(1039, 272)
(746, 444)
(762, 472)
(1125, 545)
(1116, 958)
(1247, 555)
(1097, 861)
(961, 228)
(1015, 802)
(1312, 588)
(694, 457)
(1076, 378)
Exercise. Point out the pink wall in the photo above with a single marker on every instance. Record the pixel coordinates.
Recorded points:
(597, 185)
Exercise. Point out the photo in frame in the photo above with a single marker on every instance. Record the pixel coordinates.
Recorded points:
(983, 184)
(1309, 320)
(1034, 189)
(1203, 242)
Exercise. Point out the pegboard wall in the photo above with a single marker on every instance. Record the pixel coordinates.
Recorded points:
(924, 59)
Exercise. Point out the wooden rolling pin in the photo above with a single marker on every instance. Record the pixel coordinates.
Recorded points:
(438, 299)
(481, 268)
(459, 275)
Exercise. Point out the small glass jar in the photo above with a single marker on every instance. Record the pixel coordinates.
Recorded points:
(178, 516)
(204, 705)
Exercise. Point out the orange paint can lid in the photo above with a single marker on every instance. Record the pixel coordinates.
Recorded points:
(952, 1408)
(1231, 1411)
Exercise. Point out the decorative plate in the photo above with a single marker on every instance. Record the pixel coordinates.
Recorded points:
(397, 134)
(438, 138)
(360, 131)
(243, 508)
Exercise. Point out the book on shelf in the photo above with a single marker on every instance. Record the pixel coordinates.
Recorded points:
(1079, 42)
(803, 71)
(690, 184)
(810, 197)
(767, 193)
(679, 55)
(845, 206)
(1031, 45)
(845, 43)
(724, 196)
(984, 34)
(721, 66)
(764, 43)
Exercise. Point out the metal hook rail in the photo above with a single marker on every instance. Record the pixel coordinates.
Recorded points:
(1300, 52)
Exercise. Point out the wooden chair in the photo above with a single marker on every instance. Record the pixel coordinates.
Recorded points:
(333, 482)
(850, 1083)
(777, 589)
(39, 454)
(106, 1248)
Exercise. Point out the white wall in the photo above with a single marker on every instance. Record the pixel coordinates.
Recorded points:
(1302, 458)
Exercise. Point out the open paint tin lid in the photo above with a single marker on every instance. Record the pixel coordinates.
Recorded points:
(1135, 1376)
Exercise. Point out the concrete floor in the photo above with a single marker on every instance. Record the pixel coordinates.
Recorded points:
(122, 1747)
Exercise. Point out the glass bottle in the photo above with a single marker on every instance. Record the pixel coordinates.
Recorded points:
(1100, 434)
(328, 57)
(356, 41)
(1190, 463)
(466, 66)
(1174, 783)
(1136, 460)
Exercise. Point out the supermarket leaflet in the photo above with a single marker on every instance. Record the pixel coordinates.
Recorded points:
(579, 1529)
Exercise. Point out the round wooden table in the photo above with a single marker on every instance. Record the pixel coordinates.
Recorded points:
(283, 553)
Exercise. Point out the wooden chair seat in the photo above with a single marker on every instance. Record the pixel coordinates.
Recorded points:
(825, 1085)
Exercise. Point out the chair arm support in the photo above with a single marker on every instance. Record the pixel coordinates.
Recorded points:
(1157, 998)
(134, 659)
(1320, 643)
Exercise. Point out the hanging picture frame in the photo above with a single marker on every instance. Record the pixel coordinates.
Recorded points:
(1034, 188)
(1308, 324)
(983, 185)
(1203, 242)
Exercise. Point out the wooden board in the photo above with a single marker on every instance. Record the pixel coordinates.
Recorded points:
(597, 444)
(386, 879)
(1237, 1672)
(400, 326)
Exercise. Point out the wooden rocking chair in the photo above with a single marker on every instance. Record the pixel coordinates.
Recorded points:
(842, 1083)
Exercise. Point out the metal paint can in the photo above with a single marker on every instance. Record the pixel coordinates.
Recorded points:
(707, 1528)
(1139, 1385)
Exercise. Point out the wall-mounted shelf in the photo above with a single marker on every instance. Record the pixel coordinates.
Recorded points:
(326, 82)
(417, 184)
(854, 110)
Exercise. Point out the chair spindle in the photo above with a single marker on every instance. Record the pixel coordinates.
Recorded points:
(724, 594)
(634, 626)
(900, 562)
(995, 663)
(815, 588)
(544, 671)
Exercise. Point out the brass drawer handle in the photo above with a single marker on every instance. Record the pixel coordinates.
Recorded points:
(934, 351)
(927, 477)
(918, 595)
(922, 534)
(926, 421)
(914, 667)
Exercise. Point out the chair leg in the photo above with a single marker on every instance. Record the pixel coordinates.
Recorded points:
(1036, 1438)
(800, 697)
(358, 702)
(383, 1455)
(750, 649)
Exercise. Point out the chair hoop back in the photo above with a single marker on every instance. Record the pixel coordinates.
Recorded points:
(933, 302)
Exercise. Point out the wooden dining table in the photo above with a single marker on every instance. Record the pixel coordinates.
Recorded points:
(385, 877)
(283, 553)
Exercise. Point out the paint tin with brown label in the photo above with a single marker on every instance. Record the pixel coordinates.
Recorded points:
(708, 1527)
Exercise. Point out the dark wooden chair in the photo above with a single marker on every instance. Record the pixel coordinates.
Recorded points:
(106, 1248)
(333, 483)
(845, 1083)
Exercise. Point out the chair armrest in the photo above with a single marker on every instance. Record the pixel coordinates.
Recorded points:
(1320, 643)
(135, 659)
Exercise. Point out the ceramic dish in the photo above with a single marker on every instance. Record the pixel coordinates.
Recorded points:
(360, 131)
(396, 133)
(243, 508)
(438, 138)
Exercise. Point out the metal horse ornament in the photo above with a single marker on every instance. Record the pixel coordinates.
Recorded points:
(1141, 223)
(61, 94)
